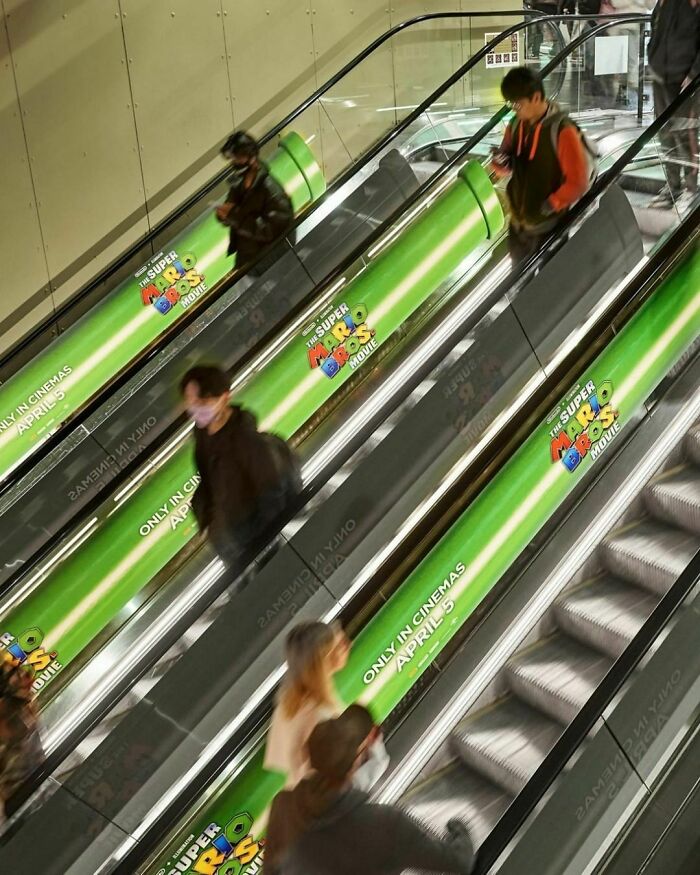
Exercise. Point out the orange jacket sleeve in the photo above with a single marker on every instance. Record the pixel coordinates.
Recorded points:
(574, 167)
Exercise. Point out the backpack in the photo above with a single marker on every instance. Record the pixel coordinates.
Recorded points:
(285, 460)
(590, 150)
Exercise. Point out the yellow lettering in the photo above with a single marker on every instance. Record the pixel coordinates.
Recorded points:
(340, 331)
(193, 278)
(208, 862)
(585, 415)
(39, 659)
(171, 274)
(246, 850)
(608, 416)
(364, 335)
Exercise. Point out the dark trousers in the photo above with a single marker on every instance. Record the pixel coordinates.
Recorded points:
(535, 31)
(678, 138)
(523, 244)
(264, 520)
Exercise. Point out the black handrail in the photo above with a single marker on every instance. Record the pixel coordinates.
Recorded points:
(584, 722)
(146, 845)
(220, 177)
(125, 473)
(194, 312)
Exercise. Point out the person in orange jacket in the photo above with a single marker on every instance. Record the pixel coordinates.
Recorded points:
(544, 155)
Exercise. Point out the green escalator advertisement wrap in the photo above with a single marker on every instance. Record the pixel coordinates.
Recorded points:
(408, 632)
(60, 380)
(146, 529)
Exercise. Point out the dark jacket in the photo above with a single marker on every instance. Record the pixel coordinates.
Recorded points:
(674, 48)
(259, 215)
(544, 180)
(237, 467)
(312, 833)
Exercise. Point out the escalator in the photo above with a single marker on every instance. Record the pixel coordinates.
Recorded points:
(119, 550)
(454, 577)
(366, 181)
(221, 695)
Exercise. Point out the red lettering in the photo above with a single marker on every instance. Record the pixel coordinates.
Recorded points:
(317, 353)
(149, 294)
(560, 444)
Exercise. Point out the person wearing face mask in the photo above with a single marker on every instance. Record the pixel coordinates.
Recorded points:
(327, 826)
(543, 153)
(257, 209)
(248, 479)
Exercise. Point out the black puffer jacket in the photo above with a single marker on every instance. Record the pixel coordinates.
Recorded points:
(674, 48)
(259, 215)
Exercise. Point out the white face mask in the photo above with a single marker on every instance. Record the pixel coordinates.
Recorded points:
(373, 768)
(203, 416)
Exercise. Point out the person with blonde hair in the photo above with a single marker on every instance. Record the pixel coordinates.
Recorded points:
(315, 652)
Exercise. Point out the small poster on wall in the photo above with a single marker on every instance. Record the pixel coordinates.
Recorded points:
(506, 53)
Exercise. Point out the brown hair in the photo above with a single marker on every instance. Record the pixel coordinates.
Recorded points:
(308, 647)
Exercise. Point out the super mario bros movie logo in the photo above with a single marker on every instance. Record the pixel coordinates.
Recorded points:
(26, 650)
(586, 423)
(169, 279)
(219, 850)
(340, 337)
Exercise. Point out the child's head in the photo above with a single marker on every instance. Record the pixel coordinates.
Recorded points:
(523, 91)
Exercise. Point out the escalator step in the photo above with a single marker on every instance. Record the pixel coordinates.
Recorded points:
(505, 743)
(649, 554)
(675, 498)
(557, 676)
(457, 792)
(692, 444)
(605, 613)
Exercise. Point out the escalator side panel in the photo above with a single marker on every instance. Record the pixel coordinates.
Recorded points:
(371, 203)
(430, 438)
(70, 839)
(165, 733)
(602, 251)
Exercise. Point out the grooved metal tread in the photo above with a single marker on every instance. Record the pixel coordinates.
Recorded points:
(675, 498)
(457, 792)
(557, 676)
(692, 444)
(650, 554)
(505, 743)
(604, 613)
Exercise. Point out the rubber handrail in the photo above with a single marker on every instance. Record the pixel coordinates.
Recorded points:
(220, 177)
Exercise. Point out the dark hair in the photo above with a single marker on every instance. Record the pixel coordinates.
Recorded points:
(521, 83)
(211, 380)
(241, 144)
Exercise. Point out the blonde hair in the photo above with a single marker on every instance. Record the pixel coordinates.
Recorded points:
(308, 679)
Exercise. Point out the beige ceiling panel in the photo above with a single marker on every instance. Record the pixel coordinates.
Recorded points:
(271, 61)
(75, 98)
(25, 293)
(180, 85)
(360, 108)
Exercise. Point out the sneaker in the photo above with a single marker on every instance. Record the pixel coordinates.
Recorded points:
(684, 202)
(664, 200)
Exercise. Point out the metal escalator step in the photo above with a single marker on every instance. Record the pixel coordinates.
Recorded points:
(557, 676)
(505, 742)
(456, 791)
(692, 444)
(605, 613)
(675, 498)
(649, 554)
